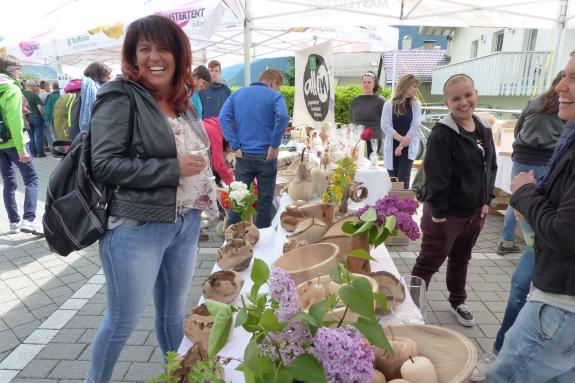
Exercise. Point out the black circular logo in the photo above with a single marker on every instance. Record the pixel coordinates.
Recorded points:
(316, 87)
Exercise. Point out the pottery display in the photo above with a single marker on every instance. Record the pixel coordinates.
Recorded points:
(198, 325)
(318, 288)
(235, 255)
(290, 218)
(307, 262)
(310, 229)
(452, 354)
(290, 245)
(324, 211)
(223, 286)
(287, 174)
(358, 192)
(243, 230)
(335, 229)
(320, 177)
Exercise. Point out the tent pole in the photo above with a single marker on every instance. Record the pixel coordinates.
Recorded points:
(247, 44)
(558, 42)
(394, 73)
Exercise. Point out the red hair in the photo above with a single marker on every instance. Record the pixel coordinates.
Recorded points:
(162, 31)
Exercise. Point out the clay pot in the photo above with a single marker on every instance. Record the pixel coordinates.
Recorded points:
(290, 245)
(319, 288)
(243, 230)
(310, 229)
(290, 218)
(235, 255)
(223, 286)
(198, 325)
(324, 211)
(307, 262)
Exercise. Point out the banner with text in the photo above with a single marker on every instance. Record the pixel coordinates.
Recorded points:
(314, 86)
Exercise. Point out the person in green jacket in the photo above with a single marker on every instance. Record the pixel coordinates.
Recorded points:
(14, 151)
(49, 106)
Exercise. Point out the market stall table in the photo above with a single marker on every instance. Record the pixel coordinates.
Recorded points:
(268, 248)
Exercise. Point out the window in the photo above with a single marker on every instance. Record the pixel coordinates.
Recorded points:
(474, 48)
(498, 41)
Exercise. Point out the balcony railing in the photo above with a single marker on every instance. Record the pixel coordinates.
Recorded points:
(500, 73)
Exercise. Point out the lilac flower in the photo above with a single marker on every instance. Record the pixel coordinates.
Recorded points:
(403, 211)
(283, 290)
(344, 355)
(292, 342)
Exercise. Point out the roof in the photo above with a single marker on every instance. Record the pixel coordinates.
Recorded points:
(419, 62)
(354, 65)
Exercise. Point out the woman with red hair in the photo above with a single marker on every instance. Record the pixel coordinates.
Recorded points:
(147, 143)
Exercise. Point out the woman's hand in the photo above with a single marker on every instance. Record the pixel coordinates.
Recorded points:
(405, 141)
(484, 210)
(191, 164)
(398, 150)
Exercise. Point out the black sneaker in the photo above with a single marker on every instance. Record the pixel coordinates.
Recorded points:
(506, 247)
(463, 315)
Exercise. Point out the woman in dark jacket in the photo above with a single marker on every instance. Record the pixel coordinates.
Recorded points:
(460, 166)
(366, 108)
(142, 134)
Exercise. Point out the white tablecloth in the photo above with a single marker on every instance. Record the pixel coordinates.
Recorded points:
(268, 248)
(503, 178)
(376, 179)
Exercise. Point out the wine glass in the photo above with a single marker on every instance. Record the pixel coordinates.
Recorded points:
(409, 304)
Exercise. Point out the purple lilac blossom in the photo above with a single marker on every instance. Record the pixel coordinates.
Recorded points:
(403, 211)
(292, 342)
(283, 290)
(344, 355)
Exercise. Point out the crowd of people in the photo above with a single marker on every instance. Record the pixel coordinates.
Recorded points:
(172, 127)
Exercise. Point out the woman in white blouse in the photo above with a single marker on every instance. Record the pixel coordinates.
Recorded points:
(400, 122)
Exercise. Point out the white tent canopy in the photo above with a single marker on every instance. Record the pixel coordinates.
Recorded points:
(79, 31)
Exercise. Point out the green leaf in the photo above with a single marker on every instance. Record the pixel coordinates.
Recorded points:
(260, 272)
(241, 318)
(220, 331)
(381, 300)
(214, 306)
(373, 331)
(251, 324)
(349, 227)
(319, 309)
(337, 272)
(307, 369)
(283, 376)
(358, 296)
(310, 319)
(390, 223)
(249, 375)
(269, 321)
(360, 253)
(251, 356)
(373, 234)
(370, 215)
(253, 295)
(364, 228)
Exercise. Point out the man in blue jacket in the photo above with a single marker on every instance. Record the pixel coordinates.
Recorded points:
(253, 121)
(216, 94)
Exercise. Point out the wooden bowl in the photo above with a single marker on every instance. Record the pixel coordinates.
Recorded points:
(287, 175)
(198, 325)
(335, 229)
(311, 229)
(343, 242)
(236, 255)
(306, 296)
(452, 354)
(242, 230)
(290, 218)
(387, 283)
(307, 262)
(223, 286)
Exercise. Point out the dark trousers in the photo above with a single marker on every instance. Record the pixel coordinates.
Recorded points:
(9, 160)
(370, 149)
(401, 168)
(36, 135)
(255, 166)
(453, 240)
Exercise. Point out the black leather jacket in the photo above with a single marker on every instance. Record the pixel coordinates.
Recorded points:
(139, 159)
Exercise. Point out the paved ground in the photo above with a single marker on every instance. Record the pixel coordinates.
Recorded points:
(50, 306)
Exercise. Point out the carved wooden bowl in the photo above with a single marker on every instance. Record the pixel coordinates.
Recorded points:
(307, 262)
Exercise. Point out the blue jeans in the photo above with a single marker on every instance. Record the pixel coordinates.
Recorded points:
(9, 158)
(509, 222)
(520, 286)
(255, 166)
(141, 259)
(540, 347)
(36, 135)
